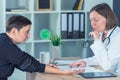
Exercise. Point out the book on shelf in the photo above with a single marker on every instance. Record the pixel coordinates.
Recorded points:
(16, 9)
(78, 5)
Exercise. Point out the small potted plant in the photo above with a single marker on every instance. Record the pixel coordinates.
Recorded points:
(56, 41)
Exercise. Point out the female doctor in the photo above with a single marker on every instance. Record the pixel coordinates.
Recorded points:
(106, 35)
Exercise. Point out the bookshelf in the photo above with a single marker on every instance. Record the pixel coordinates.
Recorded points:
(51, 20)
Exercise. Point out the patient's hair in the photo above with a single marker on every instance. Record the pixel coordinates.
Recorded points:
(18, 22)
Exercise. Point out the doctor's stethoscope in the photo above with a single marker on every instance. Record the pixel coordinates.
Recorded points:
(106, 40)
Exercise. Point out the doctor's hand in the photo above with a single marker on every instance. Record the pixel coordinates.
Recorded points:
(95, 35)
(78, 64)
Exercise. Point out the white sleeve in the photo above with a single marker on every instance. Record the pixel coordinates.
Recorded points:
(108, 58)
(101, 54)
(90, 61)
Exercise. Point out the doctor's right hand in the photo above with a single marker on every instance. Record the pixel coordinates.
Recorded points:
(95, 35)
(78, 64)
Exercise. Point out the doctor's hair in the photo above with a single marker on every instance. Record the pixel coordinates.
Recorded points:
(104, 10)
(18, 22)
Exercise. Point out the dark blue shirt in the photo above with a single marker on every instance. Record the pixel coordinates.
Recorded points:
(12, 57)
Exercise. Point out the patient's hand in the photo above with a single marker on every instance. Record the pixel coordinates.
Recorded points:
(74, 72)
(52, 65)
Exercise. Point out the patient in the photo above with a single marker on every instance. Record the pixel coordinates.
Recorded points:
(11, 56)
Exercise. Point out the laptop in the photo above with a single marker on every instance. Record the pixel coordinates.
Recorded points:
(98, 75)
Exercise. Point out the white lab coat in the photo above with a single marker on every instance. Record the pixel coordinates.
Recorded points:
(107, 56)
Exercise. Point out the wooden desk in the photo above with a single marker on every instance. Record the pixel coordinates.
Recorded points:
(43, 76)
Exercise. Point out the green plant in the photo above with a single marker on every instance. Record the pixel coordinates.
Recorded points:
(55, 39)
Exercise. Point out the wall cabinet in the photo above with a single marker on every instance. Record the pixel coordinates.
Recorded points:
(51, 20)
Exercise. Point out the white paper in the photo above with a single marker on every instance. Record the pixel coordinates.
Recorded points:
(87, 69)
(57, 62)
(66, 67)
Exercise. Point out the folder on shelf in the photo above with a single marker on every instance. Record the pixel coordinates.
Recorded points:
(78, 5)
(64, 25)
(70, 25)
(76, 25)
(82, 25)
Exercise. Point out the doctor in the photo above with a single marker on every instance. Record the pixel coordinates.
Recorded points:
(106, 35)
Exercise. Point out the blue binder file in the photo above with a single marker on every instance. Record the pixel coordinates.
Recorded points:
(82, 25)
(70, 25)
(76, 25)
(64, 25)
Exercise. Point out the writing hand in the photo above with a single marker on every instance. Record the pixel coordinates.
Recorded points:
(78, 64)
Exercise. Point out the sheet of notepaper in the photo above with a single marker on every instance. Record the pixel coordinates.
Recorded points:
(87, 69)
(58, 62)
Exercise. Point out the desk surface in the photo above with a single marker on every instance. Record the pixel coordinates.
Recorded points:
(43, 76)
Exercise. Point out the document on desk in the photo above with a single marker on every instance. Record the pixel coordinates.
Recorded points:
(91, 69)
(87, 69)
(63, 62)
(64, 65)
